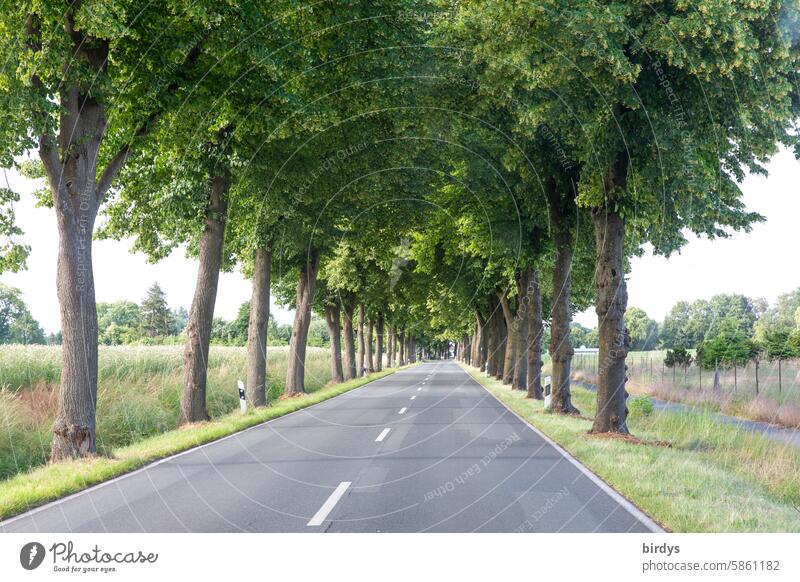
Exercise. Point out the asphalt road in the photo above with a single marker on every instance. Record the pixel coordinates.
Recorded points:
(425, 449)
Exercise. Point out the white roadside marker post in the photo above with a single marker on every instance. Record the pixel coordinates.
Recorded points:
(242, 400)
(547, 381)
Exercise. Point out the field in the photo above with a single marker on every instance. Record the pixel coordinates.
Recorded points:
(775, 401)
(689, 472)
(137, 394)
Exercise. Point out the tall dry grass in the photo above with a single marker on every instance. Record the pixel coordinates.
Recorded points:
(138, 391)
(776, 402)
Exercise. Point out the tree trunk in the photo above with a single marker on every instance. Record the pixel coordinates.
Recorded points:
(390, 348)
(492, 340)
(370, 333)
(361, 346)
(296, 369)
(521, 319)
(402, 355)
(560, 348)
(256, 387)
(201, 314)
(349, 347)
(379, 344)
(74, 430)
(478, 342)
(499, 351)
(611, 300)
(511, 339)
(71, 168)
(332, 317)
(535, 332)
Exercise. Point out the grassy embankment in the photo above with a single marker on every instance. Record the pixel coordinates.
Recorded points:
(137, 413)
(713, 477)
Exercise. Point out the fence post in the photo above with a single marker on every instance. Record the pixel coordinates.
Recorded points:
(756, 376)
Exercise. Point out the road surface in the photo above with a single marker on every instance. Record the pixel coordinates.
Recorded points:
(425, 449)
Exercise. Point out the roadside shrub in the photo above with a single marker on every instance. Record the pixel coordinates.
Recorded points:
(640, 406)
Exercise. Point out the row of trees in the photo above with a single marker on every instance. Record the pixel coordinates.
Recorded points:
(415, 172)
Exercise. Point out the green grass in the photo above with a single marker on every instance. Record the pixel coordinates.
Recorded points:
(138, 391)
(27, 490)
(714, 477)
(775, 402)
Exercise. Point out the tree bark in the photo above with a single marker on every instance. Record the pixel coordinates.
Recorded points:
(74, 430)
(349, 347)
(478, 342)
(201, 314)
(611, 302)
(498, 340)
(390, 348)
(535, 332)
(561, 350)
(511, 338)
(379, 344)
(491, 337)
(402, 355)
(522, 317)
(361, 346)
(71, 169)
(256, 387)
(296, 370)
(332, 317)
(370, 355)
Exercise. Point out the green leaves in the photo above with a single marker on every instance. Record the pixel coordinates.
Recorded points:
(12, 253)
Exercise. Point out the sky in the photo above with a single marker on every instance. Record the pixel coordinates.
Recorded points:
(756, 264)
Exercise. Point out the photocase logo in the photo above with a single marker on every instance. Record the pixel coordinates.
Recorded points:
(31, 555)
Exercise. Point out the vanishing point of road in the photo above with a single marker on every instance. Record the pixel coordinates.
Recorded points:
(426, 449)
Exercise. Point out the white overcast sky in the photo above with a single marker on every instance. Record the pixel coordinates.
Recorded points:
(757, 264)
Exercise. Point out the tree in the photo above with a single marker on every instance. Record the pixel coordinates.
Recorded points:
(677, 357)
(78, 89)
(643, 330)
(730, 347)
(644, 177)
(780, 317)
(675, 332)
(155, 317)
(779, 346)
(17, 325)
(118, 322)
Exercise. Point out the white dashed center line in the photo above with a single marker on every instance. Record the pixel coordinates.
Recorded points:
(403, 410)
(412, 398)
(420, 388)
(329, 504)
(382, 436)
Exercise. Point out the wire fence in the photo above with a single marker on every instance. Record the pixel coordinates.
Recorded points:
(763, 390)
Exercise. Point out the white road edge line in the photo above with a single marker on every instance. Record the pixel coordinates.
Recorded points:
(329, 504)
(403, 410)
(637, 513)
(147, 466)
(382, 436)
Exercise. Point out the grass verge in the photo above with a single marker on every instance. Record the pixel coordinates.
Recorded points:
(28, 490)
(713, 477)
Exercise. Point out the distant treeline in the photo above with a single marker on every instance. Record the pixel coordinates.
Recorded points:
(151, 322)
(729, 328)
